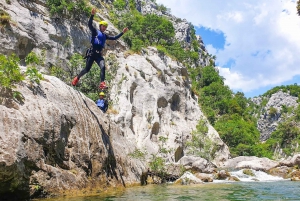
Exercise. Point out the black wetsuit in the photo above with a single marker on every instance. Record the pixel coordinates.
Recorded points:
(98, 43)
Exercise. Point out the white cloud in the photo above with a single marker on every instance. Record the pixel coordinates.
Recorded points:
(262, 38)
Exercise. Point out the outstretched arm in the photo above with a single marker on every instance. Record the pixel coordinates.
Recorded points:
(117, 36)
(90, 24)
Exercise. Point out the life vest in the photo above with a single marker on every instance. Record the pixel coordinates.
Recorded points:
(101, 103)
(98, 42)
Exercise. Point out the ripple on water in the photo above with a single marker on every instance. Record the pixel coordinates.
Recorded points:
(279, 190)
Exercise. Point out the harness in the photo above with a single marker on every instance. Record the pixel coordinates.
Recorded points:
(92, 52)
(95, 41)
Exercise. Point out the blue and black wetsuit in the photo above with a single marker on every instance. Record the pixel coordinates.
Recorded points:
(98, 43)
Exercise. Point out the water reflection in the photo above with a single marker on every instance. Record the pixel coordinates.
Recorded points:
(283, 190)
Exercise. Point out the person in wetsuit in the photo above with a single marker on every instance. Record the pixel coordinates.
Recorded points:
(95, 52)
(102, 102)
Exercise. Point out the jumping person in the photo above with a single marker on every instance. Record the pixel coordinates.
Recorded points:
(101, 102)
(95, 53)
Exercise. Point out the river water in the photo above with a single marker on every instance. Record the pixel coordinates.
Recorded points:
(268, 188)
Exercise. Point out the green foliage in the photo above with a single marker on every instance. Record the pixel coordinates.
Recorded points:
(297, 114)
(34, 75)
(293, 90)
(234, 130)
(68, 8)
(287, 110)
(151, 29)
(138, 154)
(272, 111)
(163, 8)
(75, 65)
(33, 58)
(59, 73)
(132, 4)
(201, 145)
(286, 136)
(10, 73)
(113, 64)
(228, 112)
(89, 83)
(158, 165)
(4, 18)
(119, 4)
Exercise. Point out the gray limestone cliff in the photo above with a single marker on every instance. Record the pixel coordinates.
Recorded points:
(271, 112)
(56, 139)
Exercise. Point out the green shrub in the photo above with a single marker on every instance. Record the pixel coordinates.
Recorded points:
(158, 165)
(32, 58)
(272, 111)
(138, 154)
(119, 4)
(4, 18)
(10, 73)
(34, 75)
(200, 144)
(68, 8)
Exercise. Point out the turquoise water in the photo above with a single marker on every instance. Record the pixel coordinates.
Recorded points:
(280, 190)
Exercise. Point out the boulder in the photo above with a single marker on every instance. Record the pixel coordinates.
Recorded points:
(188, 178)
(205, 177)
(282, 171)
(250, 162)
(291, 161)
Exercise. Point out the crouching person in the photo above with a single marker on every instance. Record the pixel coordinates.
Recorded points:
(102, 102)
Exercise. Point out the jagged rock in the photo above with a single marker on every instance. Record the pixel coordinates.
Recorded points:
(188, 178)
(282, 171)
(162, 108)
(250, 162)
(248, 172)
(267, 123)
(291, 161)
(233, 178)
(205, 177)
(57, 139)
(195, 163)
(222, 175)
(295, 175)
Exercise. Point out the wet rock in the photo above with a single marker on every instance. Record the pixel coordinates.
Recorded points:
(222, 175)
(204, 177)
(282, 171)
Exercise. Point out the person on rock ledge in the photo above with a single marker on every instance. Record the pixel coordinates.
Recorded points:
(95, 52)
(102, 102)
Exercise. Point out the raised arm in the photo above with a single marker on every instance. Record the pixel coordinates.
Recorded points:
(90, 24)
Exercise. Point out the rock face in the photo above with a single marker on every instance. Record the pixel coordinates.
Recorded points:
(57, 139)
(155, 106)
(268, 120)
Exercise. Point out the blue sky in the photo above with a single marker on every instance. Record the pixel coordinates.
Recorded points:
(256, 42)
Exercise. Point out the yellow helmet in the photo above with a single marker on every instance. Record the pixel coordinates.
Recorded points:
(104, 23)
(101, 93)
